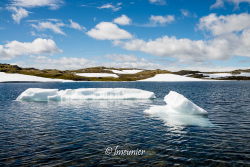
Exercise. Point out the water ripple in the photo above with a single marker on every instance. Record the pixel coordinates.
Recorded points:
(77, 133)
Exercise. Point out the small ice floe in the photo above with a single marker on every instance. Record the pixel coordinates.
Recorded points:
(38, 94)
(179, 111)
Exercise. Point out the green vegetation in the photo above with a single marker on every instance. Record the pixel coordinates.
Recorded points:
(234, 78)
(93, 70)
(186, 72)
(240, 71)
(71, 74)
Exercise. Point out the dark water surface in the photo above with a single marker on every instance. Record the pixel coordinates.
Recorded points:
(78, 133)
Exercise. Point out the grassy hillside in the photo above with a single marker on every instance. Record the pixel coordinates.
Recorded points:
(71, 74)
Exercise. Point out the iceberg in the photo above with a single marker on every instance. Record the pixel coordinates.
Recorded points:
(38, 94)
(180, 104)
(179, 111)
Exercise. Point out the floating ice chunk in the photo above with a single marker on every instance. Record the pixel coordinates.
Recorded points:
(180, 111)
(179, 103)
(37, 94)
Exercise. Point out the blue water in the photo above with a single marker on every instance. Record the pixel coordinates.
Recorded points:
(78, 133)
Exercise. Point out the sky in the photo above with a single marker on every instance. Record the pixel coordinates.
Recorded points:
(206, 35)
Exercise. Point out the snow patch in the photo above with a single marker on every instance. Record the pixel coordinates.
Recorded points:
(6, 77)
(171, 78)
(126, 71)
(97, 75)
(179, 111)
(222, 75)
(38, 94)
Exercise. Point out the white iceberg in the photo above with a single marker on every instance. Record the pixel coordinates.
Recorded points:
(179, 111)
(178, 103)
(38, 94)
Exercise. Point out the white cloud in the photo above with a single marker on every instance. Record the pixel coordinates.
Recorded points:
(70, 63)
(186, 50)
(52, 4)
(18, 7)
(230, 36)
(219, 25)
(122, 57)
(185, 12)
(220, 3)
(122, 20)
(40, 35)
(62, 63)
(130, 61)
(161, 19)
(108, 31)
(53, 26)
(36, 47)
(217, 4)
(18, 13)
(115, 8)
(76, 25)
(158, 2)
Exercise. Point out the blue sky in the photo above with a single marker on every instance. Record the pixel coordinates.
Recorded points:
(168, 34)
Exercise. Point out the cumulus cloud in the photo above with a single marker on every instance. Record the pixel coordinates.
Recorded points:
(76, 25)
(161, 19)
(219, 48)
(219, 25)
(122, 20)
(18, 7)
(220, 3)
(230, 36)
(108, 31)
(53, 26)
(52, 4)
(115, 7)
(36, 47)
(18, 13)
(158, 2)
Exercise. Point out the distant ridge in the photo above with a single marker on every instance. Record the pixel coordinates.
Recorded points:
(141, 75)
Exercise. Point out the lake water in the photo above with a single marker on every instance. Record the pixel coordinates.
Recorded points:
(78, 133)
